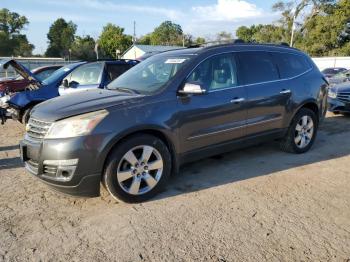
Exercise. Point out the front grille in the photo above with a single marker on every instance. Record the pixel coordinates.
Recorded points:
(50, 170)
(37, 129)
(344, 97)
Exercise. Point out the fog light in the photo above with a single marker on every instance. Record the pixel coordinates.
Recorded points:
(60, 170)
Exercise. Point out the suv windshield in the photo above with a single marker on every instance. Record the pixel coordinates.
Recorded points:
(150, 75)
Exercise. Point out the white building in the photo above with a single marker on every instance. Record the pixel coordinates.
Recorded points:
(325, 62)
(136, 51)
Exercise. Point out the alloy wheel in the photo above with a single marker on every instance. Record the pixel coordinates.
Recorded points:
(140, 170)
(304, 132)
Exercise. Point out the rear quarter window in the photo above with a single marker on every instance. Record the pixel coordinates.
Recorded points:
(291, 65)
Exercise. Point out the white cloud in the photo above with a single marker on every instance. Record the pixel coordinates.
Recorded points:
(109, 6)
(227, 10)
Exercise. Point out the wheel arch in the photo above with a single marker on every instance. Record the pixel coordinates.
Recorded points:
(147, 131)
(309, 104)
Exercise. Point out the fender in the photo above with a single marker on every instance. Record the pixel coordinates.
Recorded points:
(156, 130)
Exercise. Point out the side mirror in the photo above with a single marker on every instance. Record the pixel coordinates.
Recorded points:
(73, 84)
(65, 83)
(192, 89)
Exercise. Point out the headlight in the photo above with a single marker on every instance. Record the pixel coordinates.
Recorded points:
(332, 93)
(4, 100)
(76, 126)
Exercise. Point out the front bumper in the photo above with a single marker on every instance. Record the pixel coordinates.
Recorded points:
(67, 165)
(337, 106)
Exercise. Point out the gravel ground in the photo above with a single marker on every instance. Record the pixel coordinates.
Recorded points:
(253, 204)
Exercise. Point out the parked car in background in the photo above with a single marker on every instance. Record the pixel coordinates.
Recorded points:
(172, 108)
(25, 78)
(94, 75)
(340, 78)
(339, 98)
(330, 72)
(19, 106)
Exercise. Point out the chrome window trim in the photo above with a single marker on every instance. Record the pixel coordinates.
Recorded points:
(247, 85)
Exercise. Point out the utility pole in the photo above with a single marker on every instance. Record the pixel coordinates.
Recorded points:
(293, 29)
(134, 38)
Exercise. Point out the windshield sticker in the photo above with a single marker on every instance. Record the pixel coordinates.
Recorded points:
(66, 69)
(175, 61)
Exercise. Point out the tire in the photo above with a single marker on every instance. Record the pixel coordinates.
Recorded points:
(25, 116)
(291, 143)
(140, 180)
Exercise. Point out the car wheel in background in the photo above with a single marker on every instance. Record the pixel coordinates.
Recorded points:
(301, 133)
(137, 169)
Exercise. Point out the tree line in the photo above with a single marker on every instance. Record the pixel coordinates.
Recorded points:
(320, 27)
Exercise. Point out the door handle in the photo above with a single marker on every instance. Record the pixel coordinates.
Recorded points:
(237, 100)
(285, 91)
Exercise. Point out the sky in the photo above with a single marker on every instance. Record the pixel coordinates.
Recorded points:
(196, 17)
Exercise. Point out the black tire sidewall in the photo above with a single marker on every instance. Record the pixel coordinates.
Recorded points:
(110, 178)
(303, 112)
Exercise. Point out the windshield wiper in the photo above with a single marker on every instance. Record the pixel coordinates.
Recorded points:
(126, 90)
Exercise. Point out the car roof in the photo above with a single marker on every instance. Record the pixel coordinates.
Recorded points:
(232, 47)
(41, 68)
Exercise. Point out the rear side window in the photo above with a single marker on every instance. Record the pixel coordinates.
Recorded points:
(115, 70)
(257, 67)
(291, 65)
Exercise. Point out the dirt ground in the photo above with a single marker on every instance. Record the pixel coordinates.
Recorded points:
(254, 204)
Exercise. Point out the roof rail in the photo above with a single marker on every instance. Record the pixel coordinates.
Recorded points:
(284, 44)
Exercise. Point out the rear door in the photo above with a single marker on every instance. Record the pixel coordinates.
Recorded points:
(218, 115)
(267, 97)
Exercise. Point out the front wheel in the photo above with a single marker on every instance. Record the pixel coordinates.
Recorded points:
(137, 169)
(301, 133)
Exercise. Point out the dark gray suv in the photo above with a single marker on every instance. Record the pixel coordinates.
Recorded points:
(173, 108)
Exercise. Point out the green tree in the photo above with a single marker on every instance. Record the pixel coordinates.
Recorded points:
(83, 48)
(112, 39)
(224, 36)
(262, 34)
(200, 40)
(321, 33)
(167, 33)
(145, 40)
(61, 37)
(12, 42)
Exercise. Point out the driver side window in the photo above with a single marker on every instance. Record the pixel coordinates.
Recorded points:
(216, 73)
(89, 74)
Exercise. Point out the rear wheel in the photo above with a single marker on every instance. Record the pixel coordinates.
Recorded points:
(137, 169)
(301, 133)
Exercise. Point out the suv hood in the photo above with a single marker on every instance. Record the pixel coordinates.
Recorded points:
(80, 103)
(20, 69)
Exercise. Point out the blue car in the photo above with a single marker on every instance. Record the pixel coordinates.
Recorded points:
(94, 75)
(20, 105)
(69, 79)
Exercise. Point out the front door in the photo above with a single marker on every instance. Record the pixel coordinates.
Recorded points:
(218, 115)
